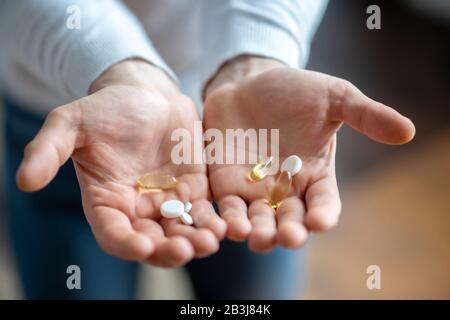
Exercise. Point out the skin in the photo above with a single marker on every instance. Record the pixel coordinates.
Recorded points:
(308, 108)
(122, 130)
(113, 136)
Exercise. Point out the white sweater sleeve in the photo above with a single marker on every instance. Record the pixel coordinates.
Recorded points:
(278, 29)
(35, 40)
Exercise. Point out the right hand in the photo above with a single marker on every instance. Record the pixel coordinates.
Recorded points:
(114, 135)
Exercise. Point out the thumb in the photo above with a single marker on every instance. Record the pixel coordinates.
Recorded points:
(50, 149)
(373, 119)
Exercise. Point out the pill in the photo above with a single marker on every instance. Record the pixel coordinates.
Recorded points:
(293, 164)
(187, 207)
(260, 170)
(156, 182)
(186, 218)
(280, 190)
(172, 209)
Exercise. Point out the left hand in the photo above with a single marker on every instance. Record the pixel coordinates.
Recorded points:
(308, 108)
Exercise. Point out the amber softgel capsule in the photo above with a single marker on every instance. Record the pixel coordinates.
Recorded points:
(260, 170)
(290, 167)
(150, 182)
(280, 190)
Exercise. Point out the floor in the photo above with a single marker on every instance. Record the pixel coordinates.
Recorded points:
(396, 207)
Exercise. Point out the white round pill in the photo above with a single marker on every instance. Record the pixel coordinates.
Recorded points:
(172, 208)
(186, 218)
(292, 164)
(187, 207)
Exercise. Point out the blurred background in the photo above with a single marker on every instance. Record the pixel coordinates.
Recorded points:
(396, 200)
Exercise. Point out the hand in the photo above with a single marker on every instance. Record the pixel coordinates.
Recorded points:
(308, 108)
(115, 135)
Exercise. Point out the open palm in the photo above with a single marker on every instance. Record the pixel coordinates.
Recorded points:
(114, 136)
(308, 108)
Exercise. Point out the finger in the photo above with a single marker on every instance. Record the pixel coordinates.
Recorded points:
(291, 231)
(205, 216)
(323, 205)
(203, 240)
(263, 234)
(116, 236)
(373, 119)
(234, 211)
(169, 252)
(50, 149)
(199, 180)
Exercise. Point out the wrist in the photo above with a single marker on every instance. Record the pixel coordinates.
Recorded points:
(238, 69)
(134, 72)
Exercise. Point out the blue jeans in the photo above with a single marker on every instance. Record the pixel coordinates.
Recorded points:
(49, 232)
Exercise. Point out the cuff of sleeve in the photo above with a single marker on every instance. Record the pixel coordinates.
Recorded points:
(240, 35)
(93, 55)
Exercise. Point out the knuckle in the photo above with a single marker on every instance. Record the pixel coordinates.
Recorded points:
(57, 113)
(338, 91)
(328, 222)
(107, 247)
(29, 147)
(65, 113)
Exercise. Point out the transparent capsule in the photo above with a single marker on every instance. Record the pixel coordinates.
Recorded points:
(280, 190)
(260, 170)
(155, 182)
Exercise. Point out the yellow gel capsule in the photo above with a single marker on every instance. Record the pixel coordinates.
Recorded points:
(260, 170)
(156, 182)
(280, 190)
